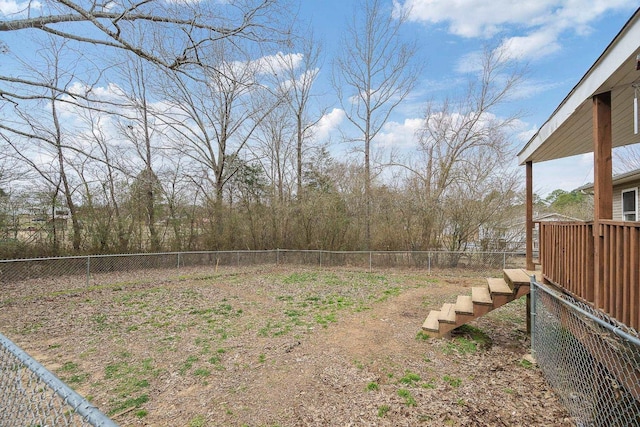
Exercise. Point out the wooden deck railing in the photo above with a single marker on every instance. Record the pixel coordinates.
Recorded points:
(619, 290)
(609, 281)
(566, 255)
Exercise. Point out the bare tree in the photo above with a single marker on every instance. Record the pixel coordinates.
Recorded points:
(29, 130)
(299, 72)
(178, 31)
(463, 145)
(211, 120)
(372, 75)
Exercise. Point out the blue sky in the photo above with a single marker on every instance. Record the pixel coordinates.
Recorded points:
(558, 39)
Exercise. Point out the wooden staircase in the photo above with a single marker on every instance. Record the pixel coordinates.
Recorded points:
(514, 284)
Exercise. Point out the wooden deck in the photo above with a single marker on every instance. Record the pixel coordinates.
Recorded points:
(599, 265)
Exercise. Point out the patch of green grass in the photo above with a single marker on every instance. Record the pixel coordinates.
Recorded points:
(325, 319)
(430, 384)
(410, 378)
(274, 329)
(69, 367)
(100, 321)
(299, 278)
(409, 400)
(461, 402)
(131, 402)
(141, 413)
(202, 372)
(509, 391)
(452, 381)
(188, 364)
(422, 336)
(390, 292)
(382, 410)
(460, 345)
(468, 340)
(197, 421)
(526, 364)
(373, 386)
(262, 358)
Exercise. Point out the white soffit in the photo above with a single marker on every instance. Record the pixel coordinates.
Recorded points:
(569, 130)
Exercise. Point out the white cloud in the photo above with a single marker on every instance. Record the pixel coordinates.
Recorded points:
(11, 7)
(532, 27)
(399, 135)
(327, 124)
(275, 64)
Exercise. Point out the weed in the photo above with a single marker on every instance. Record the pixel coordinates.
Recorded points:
(460, 345)
(422, 336)
(373, 386)
(431, 384)
(100, 321)
(409, 400)
(324, 320)
(129, 403)
(197, 421)
(452, 381)
(509, 391)
(69, 367)
(526, 364)
(461, 402)
(410, 378)
(358, 364)
(202, 372)
(141, 413)
(300, 278)
(475, 334)
(188, 364)
(262, 358)
(382, 410)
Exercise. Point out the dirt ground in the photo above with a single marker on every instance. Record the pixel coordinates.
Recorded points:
(274, 346)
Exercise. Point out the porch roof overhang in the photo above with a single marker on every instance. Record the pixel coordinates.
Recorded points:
(569, 130)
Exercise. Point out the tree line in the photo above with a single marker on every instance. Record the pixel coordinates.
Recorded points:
(179, 126)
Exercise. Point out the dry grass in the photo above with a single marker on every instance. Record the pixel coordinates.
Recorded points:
(277, 346)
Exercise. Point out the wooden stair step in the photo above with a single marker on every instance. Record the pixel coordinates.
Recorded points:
(516, 277)
(464, 304)
(481, 295)
(447, 314)
(431, 323)
(499, 286)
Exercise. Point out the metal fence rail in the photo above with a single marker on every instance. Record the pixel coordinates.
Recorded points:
(591, 361)
(33, 396)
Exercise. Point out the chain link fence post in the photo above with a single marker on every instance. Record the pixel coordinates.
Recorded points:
(88, 269)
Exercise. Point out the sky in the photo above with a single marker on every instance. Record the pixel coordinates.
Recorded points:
(558, 40)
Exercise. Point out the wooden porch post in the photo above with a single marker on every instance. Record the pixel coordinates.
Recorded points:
(529, 233)
(603, 184)
(529, 217)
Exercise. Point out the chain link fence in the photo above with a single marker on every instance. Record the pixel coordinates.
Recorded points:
(440, 262)
(591, 361)
(33, 396)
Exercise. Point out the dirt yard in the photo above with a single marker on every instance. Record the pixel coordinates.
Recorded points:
(276, 346)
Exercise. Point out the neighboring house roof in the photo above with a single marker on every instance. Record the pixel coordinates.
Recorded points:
(545, 217)
(623, 178)
(569, 130)
(556, 217)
